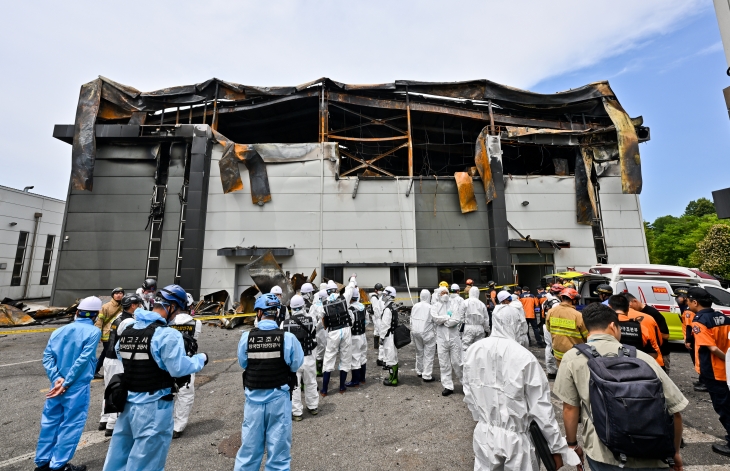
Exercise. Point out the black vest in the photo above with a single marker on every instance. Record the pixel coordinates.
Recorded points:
(336, 315)
(393, 318)
(188, 333)
(110, 352)
(305, 333)
(141, 372)
(358, 321)
(267, 368)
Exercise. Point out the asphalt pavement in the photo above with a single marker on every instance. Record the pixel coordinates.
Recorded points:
(374, 427)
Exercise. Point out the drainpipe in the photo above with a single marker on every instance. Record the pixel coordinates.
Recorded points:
(37, 217)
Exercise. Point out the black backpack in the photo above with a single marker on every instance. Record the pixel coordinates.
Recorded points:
(628, 406)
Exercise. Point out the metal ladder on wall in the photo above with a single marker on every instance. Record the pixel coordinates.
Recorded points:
(157, 214)
(599, 239)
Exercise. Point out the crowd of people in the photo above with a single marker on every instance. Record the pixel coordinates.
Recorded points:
(615, 348)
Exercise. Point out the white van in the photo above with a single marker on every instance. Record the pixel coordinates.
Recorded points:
(654, 284)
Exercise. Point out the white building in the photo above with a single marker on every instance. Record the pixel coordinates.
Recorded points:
(30, 226)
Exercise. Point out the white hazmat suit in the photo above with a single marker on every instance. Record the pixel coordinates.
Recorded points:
(423, 334)
(186, 395)
(476, 321)
(318, 312)
(523, 339)
(377, 305)
(447, 314)
(505, 390)
(307, 373)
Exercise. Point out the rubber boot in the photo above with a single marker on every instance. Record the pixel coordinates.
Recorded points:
(320, 363)
(355, 383)
(343, 381)
(325, 383)
(392, 380)
(362, 373)
(376, 342)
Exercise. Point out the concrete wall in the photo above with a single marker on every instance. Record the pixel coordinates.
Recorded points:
(551, 214)
(19, 207)
(376, 226)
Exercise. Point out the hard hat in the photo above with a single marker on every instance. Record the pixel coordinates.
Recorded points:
(378, 287)
(267, 302)
(191, 301)
(129, 299)
(491, 283)
(569, 292)
(322, 294)
(444, 284)
(307, 288)
(296, 302)
(557, 287)
(89, 307)
(331, 285)
(469, 282)
(390, 291)
(150, 284)
(276, 290)
(603, 289)
(322, 286)
(117, 290)
(174, 294)
(355, 295)
(502, 295)
(455, 287)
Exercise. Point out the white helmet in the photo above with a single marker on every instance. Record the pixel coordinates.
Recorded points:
(307, 288)
(191, 301)
(323, 286)
(297, 302)
(322, 294)
(455, 288)
(389, 291)
(502, 295)
(90, 304)
(331, 285)
(355, 295)
(276, 290)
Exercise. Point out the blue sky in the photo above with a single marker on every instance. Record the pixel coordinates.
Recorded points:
(662, 57)
(675, 82)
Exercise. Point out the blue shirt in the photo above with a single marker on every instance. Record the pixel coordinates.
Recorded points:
(168, 351)
(71, 353)
(293, 356)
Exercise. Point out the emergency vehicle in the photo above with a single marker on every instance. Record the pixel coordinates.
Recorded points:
(654, 284)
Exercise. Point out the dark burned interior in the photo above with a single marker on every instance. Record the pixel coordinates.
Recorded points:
(404, 128)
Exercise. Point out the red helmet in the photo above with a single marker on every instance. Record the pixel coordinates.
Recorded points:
(557, 288)
(569, 292)
(469, 282)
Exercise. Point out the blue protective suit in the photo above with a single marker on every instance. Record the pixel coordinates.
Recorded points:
(143, 431)
(267, 413)
(71, 355)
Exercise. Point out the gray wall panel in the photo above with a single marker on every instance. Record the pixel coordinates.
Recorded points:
(428, 276)
(121, 168)
(106, 241)
(116, 259)
(106, 222)
(101, 280)
(93, 203)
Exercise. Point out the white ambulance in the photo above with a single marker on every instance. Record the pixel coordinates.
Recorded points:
(653, 285)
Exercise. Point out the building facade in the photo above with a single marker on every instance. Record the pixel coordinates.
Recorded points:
(406, 184)
(30, 229)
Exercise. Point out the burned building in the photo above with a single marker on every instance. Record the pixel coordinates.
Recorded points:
(402, 183)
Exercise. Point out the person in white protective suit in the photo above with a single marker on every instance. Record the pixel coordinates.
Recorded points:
(338, 354)
(112, 364)
(388, 323)
(191, 329)
(505, 390)
(476, 321)
(523, 339)
(318, 312)
(435, 296)
(505, 303)
(303, 325)
(307, 293)
(423, 334)
(377, 306)
(447, 314)
(359, 341)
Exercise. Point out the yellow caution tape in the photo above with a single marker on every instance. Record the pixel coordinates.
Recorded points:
(225, 316)
(8, 332)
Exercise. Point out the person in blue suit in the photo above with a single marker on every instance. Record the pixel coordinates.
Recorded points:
(70, 361)
(153, 355)
(270, 358)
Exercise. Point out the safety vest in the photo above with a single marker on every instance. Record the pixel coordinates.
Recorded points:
(267, 368)
(110, 352)
(335, 314)
(303, 328)
(141, 372)
(358, 321)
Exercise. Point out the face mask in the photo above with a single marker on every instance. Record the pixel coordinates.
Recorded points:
(332, 297)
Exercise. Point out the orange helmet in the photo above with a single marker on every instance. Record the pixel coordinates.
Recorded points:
(569, 292)
(557, 288)
(469, 282)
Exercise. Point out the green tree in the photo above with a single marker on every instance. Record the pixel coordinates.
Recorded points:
(713, 252)
(699, 208)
